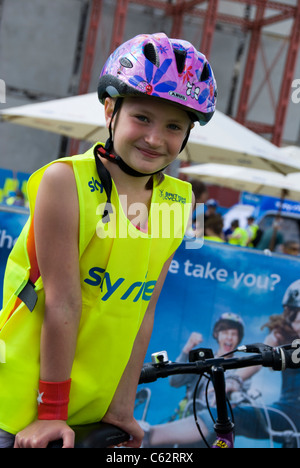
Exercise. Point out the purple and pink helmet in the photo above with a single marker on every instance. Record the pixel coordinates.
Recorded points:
(157, 66)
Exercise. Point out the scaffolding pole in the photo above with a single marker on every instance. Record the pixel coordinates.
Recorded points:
(209, 27)
(119, 24)
(250, 63)
(88, 58)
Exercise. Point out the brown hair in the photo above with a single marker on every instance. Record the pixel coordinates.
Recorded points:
(282, 325)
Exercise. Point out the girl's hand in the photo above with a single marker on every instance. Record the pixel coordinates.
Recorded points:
(40, 433)
(130, 426)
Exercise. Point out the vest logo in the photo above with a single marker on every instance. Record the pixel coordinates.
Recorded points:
(172, 196)
(95, 186)
(140, 290)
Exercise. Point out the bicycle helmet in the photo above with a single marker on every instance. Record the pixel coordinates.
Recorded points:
(292, 296)
(228, 321)
(157, 66)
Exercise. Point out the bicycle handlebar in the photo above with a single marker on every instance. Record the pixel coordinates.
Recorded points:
(279, 359)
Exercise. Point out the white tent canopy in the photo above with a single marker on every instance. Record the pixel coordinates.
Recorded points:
(221, 141)
(80, 117)
(224, 141)
(247, 179)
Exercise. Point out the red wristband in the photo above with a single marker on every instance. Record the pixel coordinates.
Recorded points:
(53, 400)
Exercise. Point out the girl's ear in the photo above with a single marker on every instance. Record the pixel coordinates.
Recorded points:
(109, 106)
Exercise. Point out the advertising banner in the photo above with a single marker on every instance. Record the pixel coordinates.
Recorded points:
(263, 204)
(219, 297)
(12, 220)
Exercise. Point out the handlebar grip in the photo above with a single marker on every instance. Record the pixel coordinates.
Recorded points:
(280, 359)
(99, 435)
(56, 444)
(148, 374)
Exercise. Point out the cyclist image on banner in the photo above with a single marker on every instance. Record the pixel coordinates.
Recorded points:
(280, 421)
(228, 331)
(83, 280)
(277, 422)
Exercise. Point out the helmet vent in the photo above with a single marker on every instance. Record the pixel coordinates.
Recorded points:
(151, 54)
(125, 62)
(205, 73)
(180, 56)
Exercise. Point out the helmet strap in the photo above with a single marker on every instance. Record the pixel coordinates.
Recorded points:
(105, 179)
(185, 140)
(114, 158)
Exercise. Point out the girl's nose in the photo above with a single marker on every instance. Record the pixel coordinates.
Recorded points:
(154, 137)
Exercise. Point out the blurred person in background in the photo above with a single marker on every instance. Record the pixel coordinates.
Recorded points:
(239, 235)
(291, 247)
(212, 207)
(201, 196)
(213, 229)
(272, 238)
(253, 231)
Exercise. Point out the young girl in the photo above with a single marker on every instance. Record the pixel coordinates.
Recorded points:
(83, 280)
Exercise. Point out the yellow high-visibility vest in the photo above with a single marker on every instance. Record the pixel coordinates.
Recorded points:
(214, 239)
(243, 239)
(119, 268)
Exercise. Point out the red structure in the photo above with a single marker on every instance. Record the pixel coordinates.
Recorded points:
(267, 12)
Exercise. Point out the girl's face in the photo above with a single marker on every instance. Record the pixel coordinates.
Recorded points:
(147, 133)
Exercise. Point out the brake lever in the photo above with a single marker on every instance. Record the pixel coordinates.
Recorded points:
(254, 348)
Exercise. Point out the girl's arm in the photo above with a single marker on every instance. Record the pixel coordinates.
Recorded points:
(120, 412)
(56, 234)
(56, 227)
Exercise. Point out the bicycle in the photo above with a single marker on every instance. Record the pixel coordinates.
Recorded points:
(202, 362)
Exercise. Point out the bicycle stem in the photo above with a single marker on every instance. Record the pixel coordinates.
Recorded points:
(223, 424)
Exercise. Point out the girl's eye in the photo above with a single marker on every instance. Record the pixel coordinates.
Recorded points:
(174, 127)
(142, 118)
